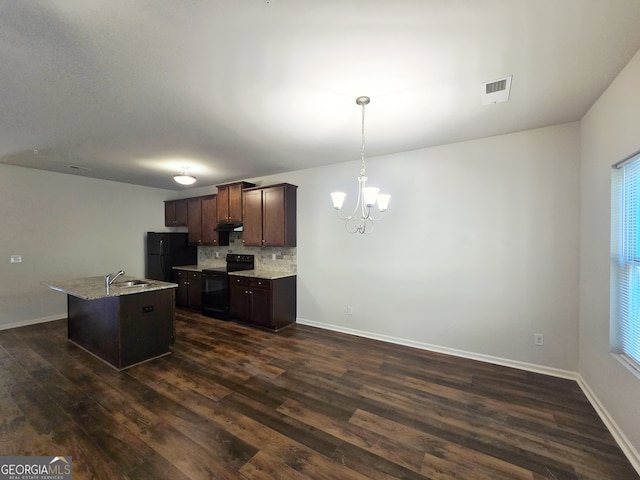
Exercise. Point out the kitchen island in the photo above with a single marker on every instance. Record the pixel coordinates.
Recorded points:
(126, 324)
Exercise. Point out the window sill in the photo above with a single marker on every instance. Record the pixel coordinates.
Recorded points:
(628, 363)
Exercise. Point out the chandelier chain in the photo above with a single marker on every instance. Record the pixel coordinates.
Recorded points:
(362, 166)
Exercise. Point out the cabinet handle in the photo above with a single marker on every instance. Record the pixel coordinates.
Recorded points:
(246, 291)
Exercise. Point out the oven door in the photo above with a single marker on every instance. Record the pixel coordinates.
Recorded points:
(215, 295)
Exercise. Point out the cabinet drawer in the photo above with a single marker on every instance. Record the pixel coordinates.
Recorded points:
(180, 274)
(260, 283)
(194, 275)
(240, 281)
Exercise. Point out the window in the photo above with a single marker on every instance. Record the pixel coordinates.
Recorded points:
(625, 260)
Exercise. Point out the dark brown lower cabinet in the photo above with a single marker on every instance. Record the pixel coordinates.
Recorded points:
(123, 330)
(264, 303)
(189, 294)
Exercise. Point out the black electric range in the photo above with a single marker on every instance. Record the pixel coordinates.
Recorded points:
(215, 285)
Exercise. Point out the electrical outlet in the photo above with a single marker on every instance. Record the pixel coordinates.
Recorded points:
(349, 310)
(273, 256)
(538, 339)
(16, 259)
(217, 254)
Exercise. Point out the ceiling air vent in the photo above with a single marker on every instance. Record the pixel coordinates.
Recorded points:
(496, 91)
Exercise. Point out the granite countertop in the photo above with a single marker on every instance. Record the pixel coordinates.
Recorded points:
(190, 268)
(92, 288)
(264, 274)
(256, 273)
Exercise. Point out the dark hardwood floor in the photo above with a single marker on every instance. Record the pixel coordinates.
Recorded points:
(236, 402)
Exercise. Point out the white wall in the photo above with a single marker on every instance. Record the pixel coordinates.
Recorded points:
(67, 226)
(478, 251)
(610, 131)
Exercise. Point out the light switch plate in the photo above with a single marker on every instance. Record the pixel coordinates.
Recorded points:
(16, 259)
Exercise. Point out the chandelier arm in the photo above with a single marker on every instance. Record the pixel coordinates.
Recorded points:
(358, 204)
(376, 218)
(363, 226)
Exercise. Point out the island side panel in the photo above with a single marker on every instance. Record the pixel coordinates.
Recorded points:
(146, 326)
(93, 324)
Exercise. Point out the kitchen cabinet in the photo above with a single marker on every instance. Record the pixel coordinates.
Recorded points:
(175, 213)
(239, 300)
(194, 220)
(270, 216)
(229, 203)
(189, 291)
(262, 302)
(210, 236)
(202, 216)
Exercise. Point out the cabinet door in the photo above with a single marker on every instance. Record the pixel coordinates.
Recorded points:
(146, 326)
(182, 215)
(195, 220)
(222, 204)
(273, 220)
(252, 229)
(279, 216)
(195, 290)
(261, 303)
(239, 306)
(209, 220)
(169, 214)
(182, 292)
(235, 202)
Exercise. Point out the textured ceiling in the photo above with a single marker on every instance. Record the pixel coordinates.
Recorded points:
(133, 90)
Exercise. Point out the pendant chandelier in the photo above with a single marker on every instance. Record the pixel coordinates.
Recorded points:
(362, 218)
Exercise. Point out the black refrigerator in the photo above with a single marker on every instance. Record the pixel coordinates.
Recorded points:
(168, 250)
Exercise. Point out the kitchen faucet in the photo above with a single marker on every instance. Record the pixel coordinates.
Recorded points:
(109, 279)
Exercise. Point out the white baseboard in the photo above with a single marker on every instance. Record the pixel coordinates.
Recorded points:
(623, 442)
(505, 362)
(32, 321)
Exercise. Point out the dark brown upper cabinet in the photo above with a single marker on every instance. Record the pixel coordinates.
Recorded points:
(229, 203)
(203, 222)
(210, 235)
(270, 216)
(194, 224)
(175, 213)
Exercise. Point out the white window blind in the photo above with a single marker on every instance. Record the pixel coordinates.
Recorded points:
(625, 260)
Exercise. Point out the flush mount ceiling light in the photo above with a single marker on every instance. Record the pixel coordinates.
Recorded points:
(362, 218)
(183, 178)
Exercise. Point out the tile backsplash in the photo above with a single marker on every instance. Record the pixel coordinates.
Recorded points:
(285, 257)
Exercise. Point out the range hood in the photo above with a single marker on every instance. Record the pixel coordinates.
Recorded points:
(229, 227)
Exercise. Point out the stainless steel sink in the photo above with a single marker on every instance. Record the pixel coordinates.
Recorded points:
(130, 284)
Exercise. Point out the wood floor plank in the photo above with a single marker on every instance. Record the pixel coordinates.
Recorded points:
(405, 454)
(264, 467)
(441, 458)
(236, 402)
